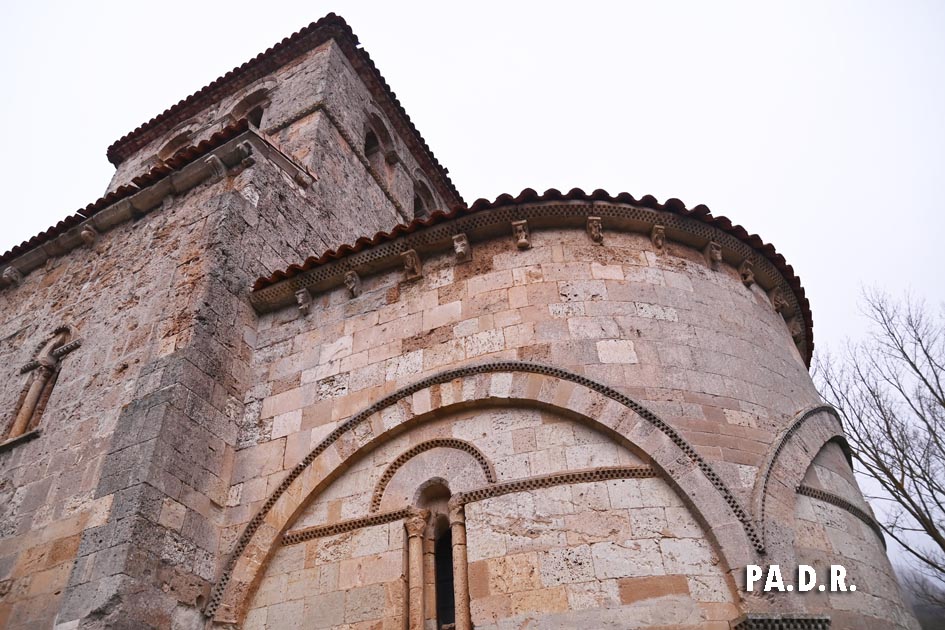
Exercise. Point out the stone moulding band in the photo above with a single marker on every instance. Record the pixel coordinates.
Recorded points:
(843, 504)
(323, 531)
(776, 621)
(409, 454)
(488, 224)
(216, 596)
(480, 494)
(557, 479)
(772, 460)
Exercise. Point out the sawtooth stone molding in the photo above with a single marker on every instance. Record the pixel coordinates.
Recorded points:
(843, 504)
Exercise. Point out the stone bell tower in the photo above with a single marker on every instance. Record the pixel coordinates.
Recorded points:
(128, 336)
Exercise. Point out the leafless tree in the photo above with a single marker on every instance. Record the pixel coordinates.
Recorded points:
(890, 391)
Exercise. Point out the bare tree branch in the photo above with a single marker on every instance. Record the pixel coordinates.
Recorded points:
(889, 392)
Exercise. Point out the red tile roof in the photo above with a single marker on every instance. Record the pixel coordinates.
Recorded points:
(178, 160)
(329, 27)
(700, 213)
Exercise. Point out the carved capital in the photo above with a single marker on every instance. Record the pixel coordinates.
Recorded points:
(11, 277)
(595, 230)
(304, 299)
(416, 523)
(713, 255)
(412, 266)
(461, 248)
(353, 283)
(520, 232)
(747, 272)
(658, 237)
(457, 510)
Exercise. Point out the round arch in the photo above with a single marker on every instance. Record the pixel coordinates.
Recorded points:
(509, 383)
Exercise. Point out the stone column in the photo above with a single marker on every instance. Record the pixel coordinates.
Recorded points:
(460, 578)
(429, 575)
(416, 524)
(21, 423)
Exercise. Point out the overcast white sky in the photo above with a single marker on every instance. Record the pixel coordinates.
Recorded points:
(818, 125)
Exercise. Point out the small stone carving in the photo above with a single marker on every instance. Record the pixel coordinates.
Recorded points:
(416, 523)
(391, 157)
(747, 272)
(88, 235)
(412, 266)
(457, 512)
(217, 168)
(353, 282)
(520, 231)
(461, 248)
(11, 277)
(658, 237)
(245, 151)
(777, 300)
(713, 255)
(595, 230)
(304, 299)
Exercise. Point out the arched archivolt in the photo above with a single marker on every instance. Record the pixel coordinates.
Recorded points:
(506, 382)
(487, 470)
(795, 448)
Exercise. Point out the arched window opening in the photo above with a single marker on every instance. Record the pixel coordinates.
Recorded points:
(443, 562)
(252, 107)
(44, 372)
(371, 144)
(254, 116)
(422, 200)
(176, 143)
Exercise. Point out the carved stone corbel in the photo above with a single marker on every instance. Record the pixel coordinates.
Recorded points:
(658, 237)
(391, 157)
(217, 168)
(413, 269)
(461, 248)
(713, 255)
(520, 232)
(777, 300)
(595, 230)
(11, 277)
(88, 235)
(747, 272)
(796, 328)
(304, 299)
(353, 283)
(245, 152)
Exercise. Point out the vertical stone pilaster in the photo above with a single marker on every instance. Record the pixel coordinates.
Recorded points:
(416, 526)
(460, 578)
(429, 575)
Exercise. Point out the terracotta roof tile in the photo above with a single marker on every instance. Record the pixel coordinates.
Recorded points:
(700, 212)
(178, 160)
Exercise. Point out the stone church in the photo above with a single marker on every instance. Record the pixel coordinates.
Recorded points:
(281, 376)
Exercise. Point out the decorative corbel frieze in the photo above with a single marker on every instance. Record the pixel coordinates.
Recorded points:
(747, 272)
(713, 255)
(658, 237)
(595, 230)
(88, 235)
(461, 248)
(244, 151)
(353, 283)
(304, 300)
(520, 232)
(11, 277)
(412, 266)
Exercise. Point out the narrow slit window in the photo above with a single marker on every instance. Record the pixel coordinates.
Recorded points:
(443, 562)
